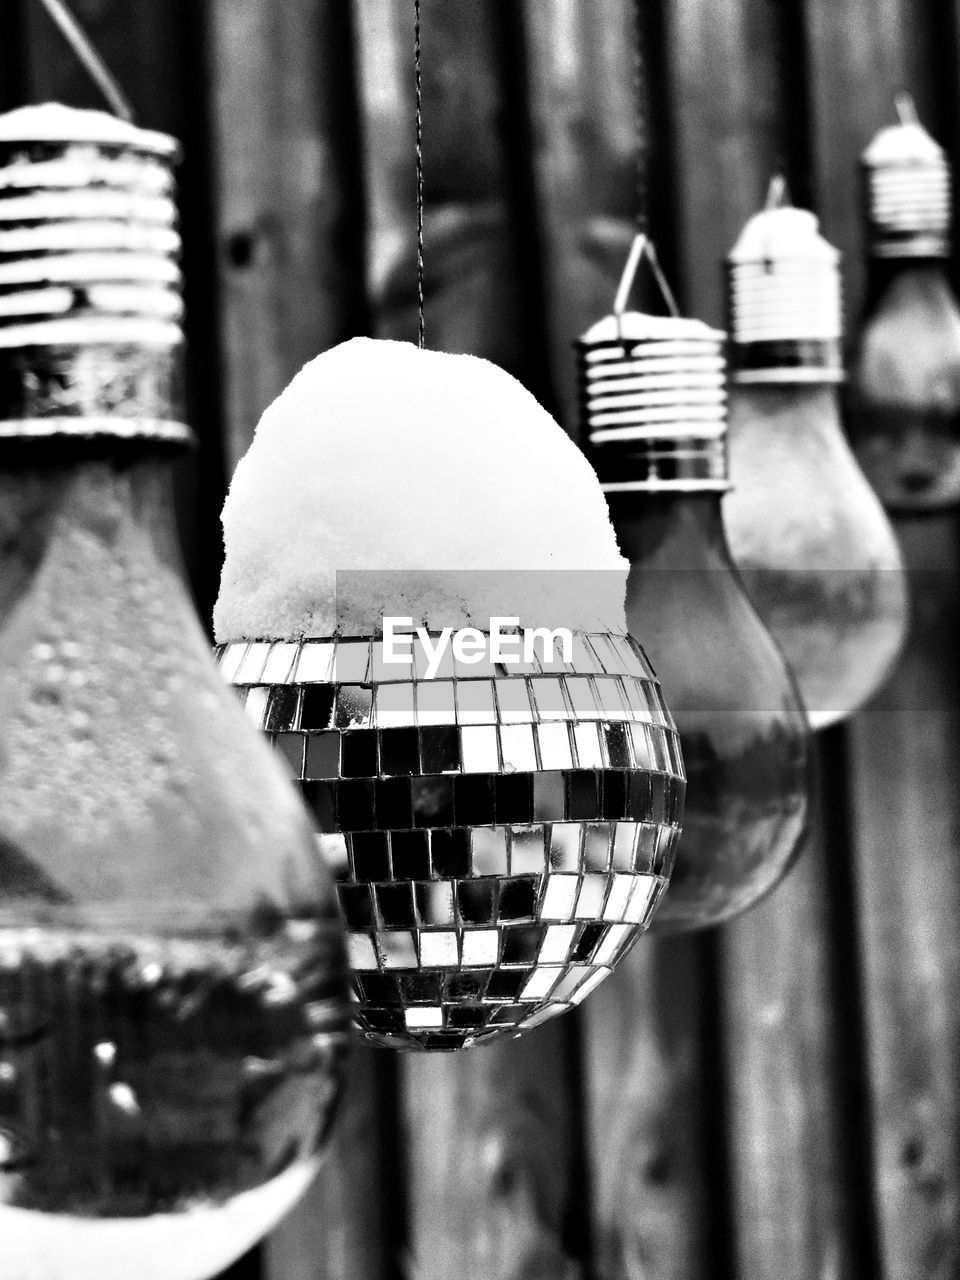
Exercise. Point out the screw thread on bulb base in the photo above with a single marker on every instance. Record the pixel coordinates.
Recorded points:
(907, 211)
(783, 300)
(653, 404)
(90, 334)
(906, 190)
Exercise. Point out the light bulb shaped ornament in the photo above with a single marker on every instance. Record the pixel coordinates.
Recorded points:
(905, 377)
(653, 392)
(503, 830)
(816, 551)
(173, 1008)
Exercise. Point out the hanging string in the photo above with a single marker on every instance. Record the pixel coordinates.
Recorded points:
(641, 113)
(419, 116)
(643, 246)
(778, 192)
(88, 57)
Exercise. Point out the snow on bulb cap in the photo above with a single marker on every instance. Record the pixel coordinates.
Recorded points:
(90, 284)
(907, 190)
(783, 297)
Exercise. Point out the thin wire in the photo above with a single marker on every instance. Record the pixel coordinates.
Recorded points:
(906, 109)
(778, 192)
(641, 112)
(643, 246)
(419, 96)
(87, 55)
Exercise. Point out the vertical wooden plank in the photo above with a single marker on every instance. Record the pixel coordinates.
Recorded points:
(473, 282)
(791, 1215)
(344, 1226)
(653, 1169)
(903, 747)
(728, 132)
(492, 1150)
(492, 1135)
(290, 211)
(859, 57)
(290, 258)
(582, 107)
(788, 1116)
(643, 1031)
(13, 56)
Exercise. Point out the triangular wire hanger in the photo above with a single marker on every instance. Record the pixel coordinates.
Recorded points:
(643, 247)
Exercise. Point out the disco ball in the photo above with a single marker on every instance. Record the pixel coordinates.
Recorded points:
(501, 834)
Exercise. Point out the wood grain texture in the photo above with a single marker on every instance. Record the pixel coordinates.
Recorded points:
(340, 1229)
(584, 157)
(290, 217)
(492, 1143)
(290, 246)
(14, 55)
(471, 296)
(728, 131)
(656, 1184)
(859, 57)
(787, 1182)
(643, 1051)
(905, 812)
(786, 1111)
(905, 747)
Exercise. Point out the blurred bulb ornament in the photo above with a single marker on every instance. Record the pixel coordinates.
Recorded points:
(815, 549)
(905, 378)
(173, 1005)
(653, 392)
(503, 831)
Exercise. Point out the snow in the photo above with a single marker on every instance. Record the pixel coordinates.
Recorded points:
(636, 326)
(53, 122)
(778, 234)
(438, 478)
(907, 143)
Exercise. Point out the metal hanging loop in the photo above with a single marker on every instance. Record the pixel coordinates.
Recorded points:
(643, 247)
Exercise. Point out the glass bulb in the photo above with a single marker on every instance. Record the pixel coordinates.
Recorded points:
(905, 387)
(815, 549)
(742, 727)
(172, 1005)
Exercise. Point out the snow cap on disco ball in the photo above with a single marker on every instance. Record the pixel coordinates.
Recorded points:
(503, 830)
(392, 465)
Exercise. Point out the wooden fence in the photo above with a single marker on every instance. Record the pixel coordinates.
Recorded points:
(775, 1101)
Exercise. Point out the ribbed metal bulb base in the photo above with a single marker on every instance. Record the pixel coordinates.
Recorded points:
(653, 403)
(90, 286)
